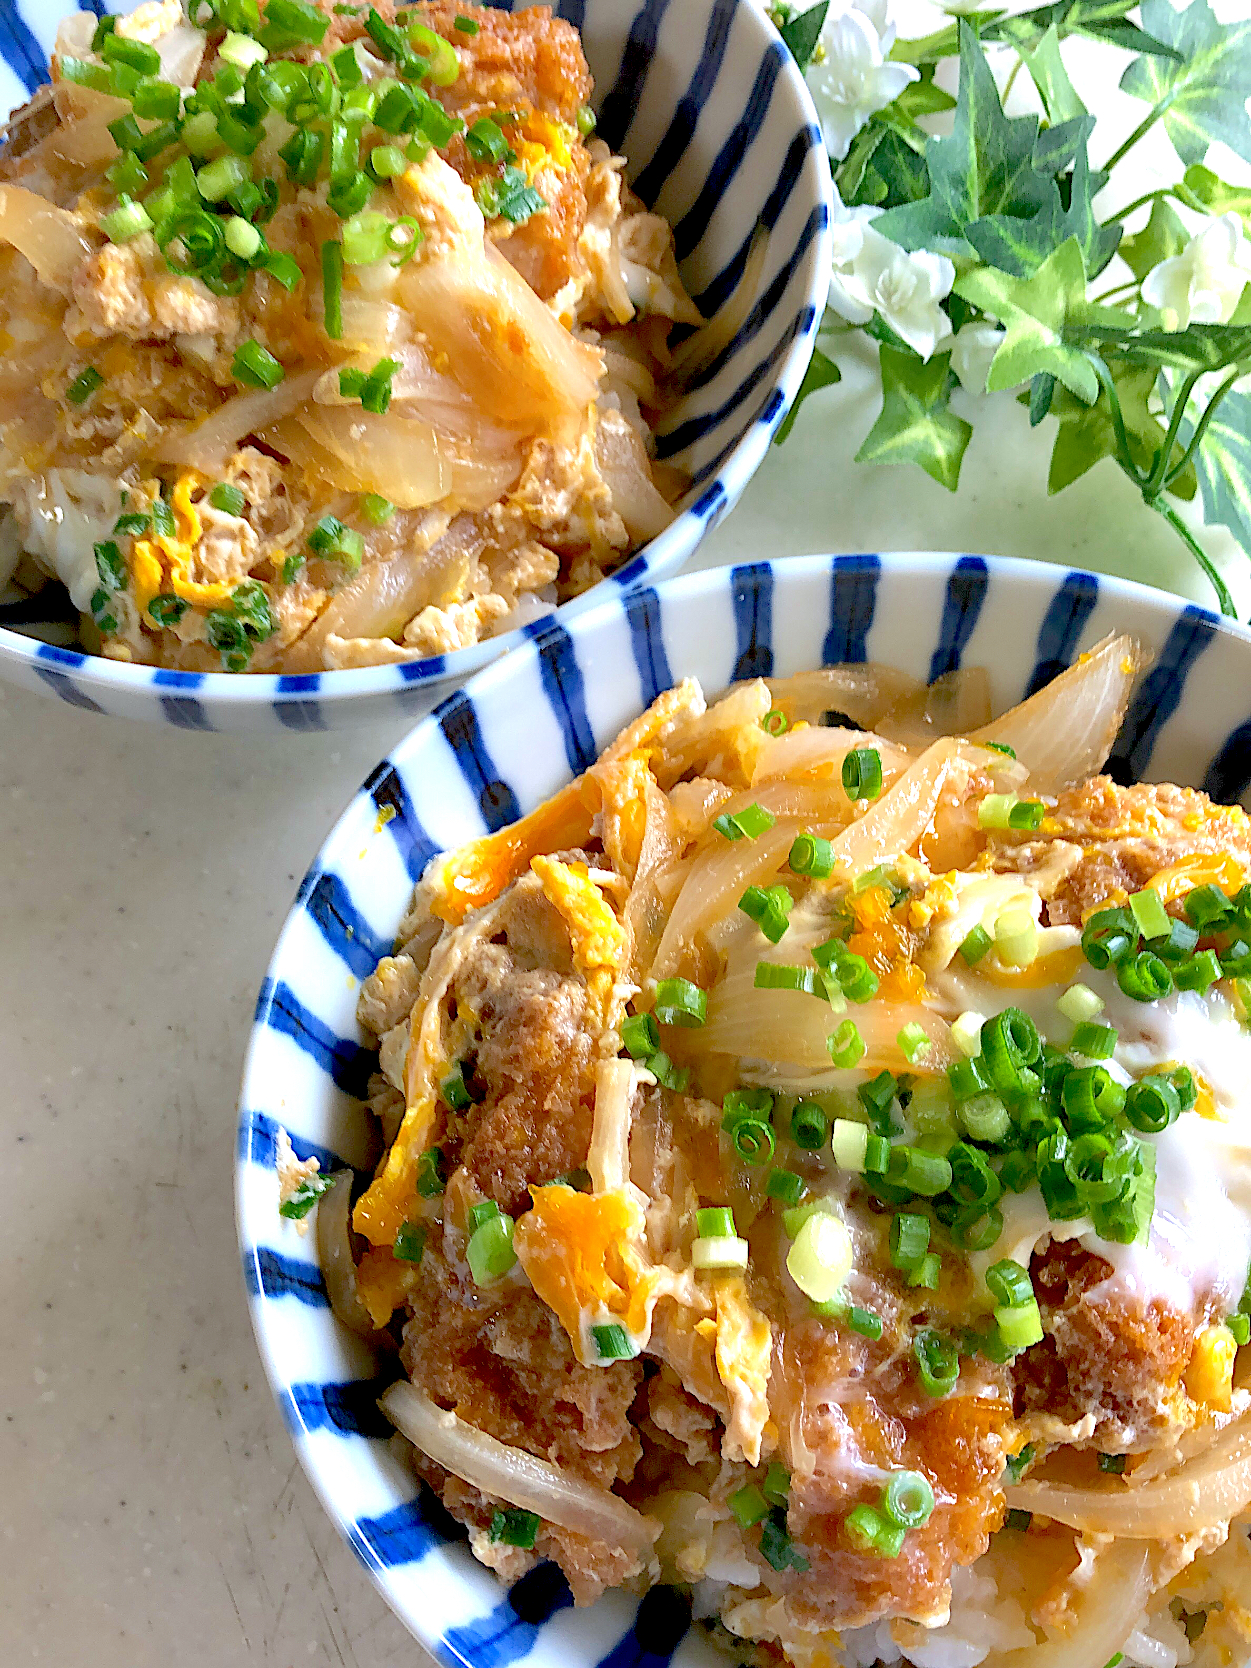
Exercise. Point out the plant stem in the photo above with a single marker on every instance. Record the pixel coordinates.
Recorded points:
(1138, 202)
(1144, 127)
(1123, 454)
(1179, 467)
(1117, 289)
(1009, 83)
(1154, 484)
(1200, 555)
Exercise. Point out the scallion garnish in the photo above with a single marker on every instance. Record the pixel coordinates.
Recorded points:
(772, 975)
(846, 1045)
(306, 1195)
(909, 1239)
(84, 385)
(410, 1243)
(612, 1342)
(511, 1526)
(430, 1180)
(751, 821)
(975, 945)
(775, 722)
(862, 773)
(812, 856)
(769, 909)
(937, 1363)
(489, 1250)
(255, 366)
(785, 1186)
(810, 1128)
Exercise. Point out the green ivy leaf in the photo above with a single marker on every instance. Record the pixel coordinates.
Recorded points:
(1223, 465)
(1099, 20)
(1036, 312)
(822, 372)
(984, 167)
(802, 33)
(1160, 239)
(1215, 195)
(914, 424)
(894, 174)
(1200, 347)
(1047, 72)
(920, 98)
(1021, 246)
(1086, 435)
(1055, 149)
(1203, 97)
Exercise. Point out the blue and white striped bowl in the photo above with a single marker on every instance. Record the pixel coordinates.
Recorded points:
(493, 750)
(706, 103)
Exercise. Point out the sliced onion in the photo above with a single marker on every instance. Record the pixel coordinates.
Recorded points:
(818, 754)
(48, 236)
(608, 1160)
(703, 347)
(384, 596)
(506, 1473)
(376, 452)
(1065, 732)
(83, 137)
(74, 35)
(1208, 1490)
(952, 705)
(623, 465)
(865, 694)
(372, 324)
(894, 823)
(181, 51)
(1100, 1619)
(209, 444)
(334, 1252)
(775, 1030)
(518, 363)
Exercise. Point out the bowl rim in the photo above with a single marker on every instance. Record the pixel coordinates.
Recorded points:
(665, 553)
(1014, 571)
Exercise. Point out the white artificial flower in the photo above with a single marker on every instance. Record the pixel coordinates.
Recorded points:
(975, 345)
(871, 274)
(854, 80)
(1203, 284)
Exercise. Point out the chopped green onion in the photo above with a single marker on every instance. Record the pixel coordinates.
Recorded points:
(810, 1127)
(1096, 1042)
(157, 101)
(386, 161)
(297, 1207)
(753, 1141)
(770, 910)
(1020, 1521)
(612, 1342)
(909, 1240)
(454, 1091)
(1109, 936)
(747, 1503)
(439, 55)
(465, 25)
(377, 509)
(1016, 936)
(1199, 973)
(1080, 1004)
(1240, 1326)
(241, 51)
(984, 1117)
(255, 366)
(1020, 1326)
(862, 773)
(908, 1499)
(1144, 977)
(849, 1143)
(975, 946)
(163, 523)
(332, 540)
(966, 1033)
(679, 1002)
(1208, 908)
(229, 499)
(242, 238)
(128, 176)
(877, 1097)
(810, 855)
(938, 1365)
(746, 1103)
(722, 1252)
(1152, 1104)
(926, 1273)
(167, 609)
(1009, 1283)
(865, 1322)
(846, 1046)
(291, 566)
(773, 975)
(1148, 910)
(785, 1186)
(1091, 1097)
(514, 1527)
(776, 1546)
(820, 1258)
(914, 1042)
(714, 1222)
(864, 1527)
(775, 722)
(485, 141)
(109, 565)
(410, 1243)
(1016, 1465)
(752, 821)
(127, 220)
(84, 385)
(640, 1036)
(346, 197)
(925, 1173)
(586, 120)
(365, 238)
(777, 1484)
(1010, 1044)
(854, 976)
(1112, 1465)
(215, 180)
(332, 286)
(1001, 811)
(430, 1177)
(489, 1252)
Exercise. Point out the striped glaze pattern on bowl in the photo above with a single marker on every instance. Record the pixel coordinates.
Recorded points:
(492, 751)
(708, 107)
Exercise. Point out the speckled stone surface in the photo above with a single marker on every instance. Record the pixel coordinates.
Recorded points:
(153, 1513)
